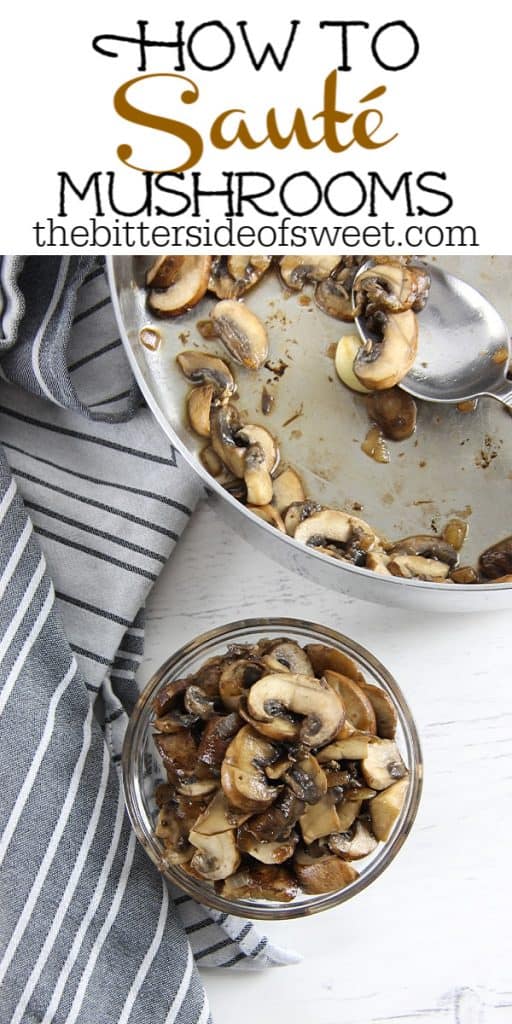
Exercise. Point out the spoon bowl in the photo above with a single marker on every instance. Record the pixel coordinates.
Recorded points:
(464, 345)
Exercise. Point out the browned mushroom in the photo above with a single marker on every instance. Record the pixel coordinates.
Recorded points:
(216, 856)
(496, 561)
(383, 764)
(393, 287)
(353, 845)
(392, 354)
(386, 807)
(203, 368)
(261, 882)
(394, 411)
(242, 774)
(242, 332)
(358, 707)
(274, 695)
(322, 657)
(279, 820)
(236, 677)
(295, 270)
(215, 740)
(164, 271)
(326, 873)
(188, 287)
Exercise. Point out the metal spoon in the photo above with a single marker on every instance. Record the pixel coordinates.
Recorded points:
(464, 345)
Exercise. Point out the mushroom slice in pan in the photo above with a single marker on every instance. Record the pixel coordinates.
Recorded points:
(384, 709)
(224, 425)
(216, 856)
(242, 332)
(164, 271)
(347, 535)
(270, 515)
(246, 271)
(252, 434)
(297, 512)
(389, 359)
(385, 808)
(242, 774)
(394, 411)
(288, 488)
(427, 547)
(273, 852)
(295, 270)
(322, 657)
(326, 873)
(261, 882)
(394, 288)
(186, 290)
(378, 562)
(281, 692)
(211, 460)
(334, 294)
(287, 654)
(237, 677)
(219, 817)
(220, 281)
(279, 820)
(199, 403)
(496, 561)
(215, 739)
(358, 707)
(353, 846)
(257, 478)
(203, 368)
(307, 780)
(346, 352)
(417, 567)
(383, 764)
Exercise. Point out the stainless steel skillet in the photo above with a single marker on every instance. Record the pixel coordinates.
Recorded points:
(457, 464)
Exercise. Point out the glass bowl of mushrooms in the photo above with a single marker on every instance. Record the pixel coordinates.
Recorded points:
(272, 768)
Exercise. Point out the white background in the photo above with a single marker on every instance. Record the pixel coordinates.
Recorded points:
(450, 108)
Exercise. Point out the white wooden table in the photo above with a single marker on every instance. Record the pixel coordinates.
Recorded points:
(430, 940)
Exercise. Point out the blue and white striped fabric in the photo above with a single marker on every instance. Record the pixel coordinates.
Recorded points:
(89, 514)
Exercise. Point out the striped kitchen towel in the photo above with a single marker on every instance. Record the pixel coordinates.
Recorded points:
(89, 513)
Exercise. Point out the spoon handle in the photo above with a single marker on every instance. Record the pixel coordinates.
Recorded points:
(503, 392)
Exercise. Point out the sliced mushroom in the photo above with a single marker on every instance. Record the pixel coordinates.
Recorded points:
(295, 270)
(346, 535)
(220, 281)
(394, 411)
(383, 764)
(284, 729)
(218, 816)
(353, 846)
(211, 460)
(354, 747)
(224, 425)
(378, 561)
(202, 368)
(242, 774)
(261, 882)
(179, 754)
(242, 332)
(322, 657)
(307, 780)
(278, 769)
(358, 707)
(187, 289)
(251, 435)
(173, 836)
(388, 360)
(321, 707)
(198, 703)
(269, 514)
(216, 737)
(257, 478)
(427, 547)
(464, 574)
(496, 561)
(384, 709)
(167, 698)
(164, 271)
(319, 819)
(288, 488)
(297, 512)
(393, 287)
(385, 808)
(217, 856)
(348, 811)
(346, 352)
(237, 677)
(279, 820)
(322, 874)
(274, 852)
(199, 403)
(194, 787)
(246, 271)
(174, 722)
(416, 567)
(334, 295)
(287, 654)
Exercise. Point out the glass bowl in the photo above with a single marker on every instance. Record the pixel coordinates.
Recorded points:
(142, 768)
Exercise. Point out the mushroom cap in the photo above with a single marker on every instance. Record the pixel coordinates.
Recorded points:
(187, 289)
(272, 696)
(496, 561)
(391, 359)
(358, 707)
(288, 654)
(322, 657)
(395, 412)
(242, 332)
